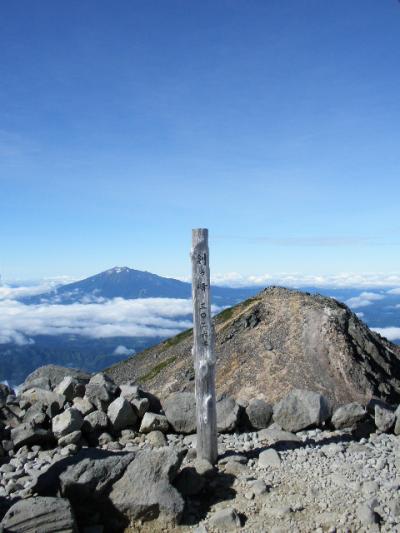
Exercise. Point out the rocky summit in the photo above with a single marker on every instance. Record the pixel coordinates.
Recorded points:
(81, 454)
(277, 341)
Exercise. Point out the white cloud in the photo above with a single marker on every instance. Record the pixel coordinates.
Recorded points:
(342, 280)
(364, 299)
(360, 314)
(148, 317)
(391, 333)
(395, 291)
(123, 350)
(17, 290)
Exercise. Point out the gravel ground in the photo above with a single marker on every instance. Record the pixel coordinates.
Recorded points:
(327, 482)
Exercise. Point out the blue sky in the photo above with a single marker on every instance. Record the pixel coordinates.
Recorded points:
(274, 123)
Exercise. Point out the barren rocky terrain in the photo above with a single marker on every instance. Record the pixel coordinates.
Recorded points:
(279, 340)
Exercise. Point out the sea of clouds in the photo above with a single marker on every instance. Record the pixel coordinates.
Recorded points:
(154, 317)
(150, 317)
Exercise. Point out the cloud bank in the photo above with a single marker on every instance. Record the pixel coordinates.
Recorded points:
(343, 280)
(150, 317)
(364, 299)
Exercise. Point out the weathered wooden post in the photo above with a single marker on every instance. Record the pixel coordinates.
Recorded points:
(203, 349)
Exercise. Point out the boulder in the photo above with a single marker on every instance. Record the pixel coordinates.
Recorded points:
(44, 396)
(130, 392)
(385, 418)
(152, 422)
(121, 414)
(95, 422)
(101, 391)
(44, 515)
(70, 388)
(145, 491)
(86, 475)
(54, 374)
(67, 422)
(228, 414)
(83, 405)
(156, 439)
(301, 409)
(180, 410)
(70, 438)
(37, 383)
(259, 413)
(346, 416)
(29, 434)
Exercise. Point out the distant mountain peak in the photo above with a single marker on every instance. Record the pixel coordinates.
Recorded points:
(118, 270)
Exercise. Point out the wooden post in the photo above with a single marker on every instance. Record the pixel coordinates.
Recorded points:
(203, 349)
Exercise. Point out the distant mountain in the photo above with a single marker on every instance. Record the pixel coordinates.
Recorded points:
(124, 282)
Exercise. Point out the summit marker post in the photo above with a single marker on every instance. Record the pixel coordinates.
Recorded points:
(203, 349)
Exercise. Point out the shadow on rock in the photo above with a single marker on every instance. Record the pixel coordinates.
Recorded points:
(215, 488)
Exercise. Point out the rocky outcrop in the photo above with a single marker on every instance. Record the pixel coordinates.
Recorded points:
(275, 342)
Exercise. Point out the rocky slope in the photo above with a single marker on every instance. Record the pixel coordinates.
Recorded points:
(279, 340)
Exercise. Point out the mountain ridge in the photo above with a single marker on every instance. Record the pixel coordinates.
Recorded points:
(276, 341)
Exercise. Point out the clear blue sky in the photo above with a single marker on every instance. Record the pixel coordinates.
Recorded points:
(275, 123)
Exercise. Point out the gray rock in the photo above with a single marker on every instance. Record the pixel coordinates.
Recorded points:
(44, 515)
(85, 479)
(269, 458)
(37, 383)
(180, 410)
(348, 415)
(259, 414)
(130, 392)
(227, 414)
(83, 405)
(29, 434)
(67, 422)
(152, 422)
(301, 409)
(45, 397)
(54, 374)
(145, 489)
(95, 422)
(121, 414)
(385, 418)
(225, 519)
(71, 438)
(101, 391)
(156, 439)
(70, 388)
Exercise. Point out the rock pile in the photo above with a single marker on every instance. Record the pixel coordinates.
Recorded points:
(79, 453)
